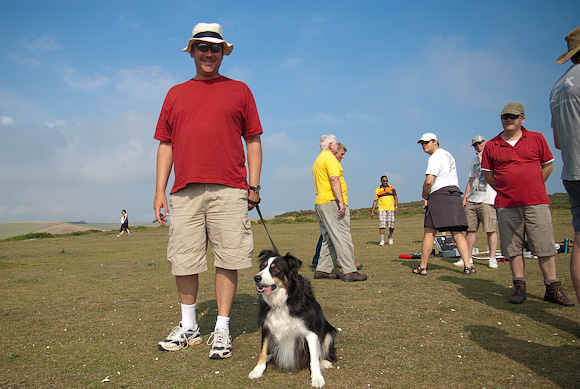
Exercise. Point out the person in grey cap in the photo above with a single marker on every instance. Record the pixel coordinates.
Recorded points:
(565, 107)
(516, 163)
(478, 203)
(200, 131)
(444, 211)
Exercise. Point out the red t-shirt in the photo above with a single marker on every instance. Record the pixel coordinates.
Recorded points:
(518, 169)
(205, 122)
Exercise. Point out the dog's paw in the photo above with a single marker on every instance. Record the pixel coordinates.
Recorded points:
(317, 380)
(326, 364)
(257, 372)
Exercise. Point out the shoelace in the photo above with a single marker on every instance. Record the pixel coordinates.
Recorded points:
(178, 334)
(219, 337)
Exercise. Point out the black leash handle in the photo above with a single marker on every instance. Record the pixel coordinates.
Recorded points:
(264, 223)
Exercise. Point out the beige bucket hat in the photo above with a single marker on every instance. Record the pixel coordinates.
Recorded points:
(573, 40)
(209, 32)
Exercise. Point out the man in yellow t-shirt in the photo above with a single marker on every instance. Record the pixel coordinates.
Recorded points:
(386, 198)
(331, 206)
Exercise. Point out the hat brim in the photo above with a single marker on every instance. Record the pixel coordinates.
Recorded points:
(566, 56)
(227, 47)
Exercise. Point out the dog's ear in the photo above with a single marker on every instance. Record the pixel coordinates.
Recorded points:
(293, 262)
(266, 253)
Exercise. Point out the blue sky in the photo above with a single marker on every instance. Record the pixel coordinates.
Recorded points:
(82, 83)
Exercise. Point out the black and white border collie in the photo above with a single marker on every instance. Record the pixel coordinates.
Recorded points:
(295, 332)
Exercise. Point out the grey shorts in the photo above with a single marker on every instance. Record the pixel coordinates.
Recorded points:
(202, 213)
(573, 189)
(480, 212)
(532, 223)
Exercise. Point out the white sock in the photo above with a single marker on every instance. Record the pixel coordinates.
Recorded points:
(188, 320)
(222, 322)
(382, 238)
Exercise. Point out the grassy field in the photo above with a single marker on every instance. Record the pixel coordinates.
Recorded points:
(78, 309)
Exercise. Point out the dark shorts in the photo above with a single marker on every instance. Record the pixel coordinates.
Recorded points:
(124, 227)
(573, 189)
(445, 210)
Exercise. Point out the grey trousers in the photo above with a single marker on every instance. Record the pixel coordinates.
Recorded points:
(336, 239)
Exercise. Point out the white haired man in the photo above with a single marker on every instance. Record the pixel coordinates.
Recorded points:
(331, 206)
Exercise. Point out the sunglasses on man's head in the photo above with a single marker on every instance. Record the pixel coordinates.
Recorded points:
(204, 47)
(507, 116)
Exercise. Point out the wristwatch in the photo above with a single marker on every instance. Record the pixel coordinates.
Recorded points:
(256, 189)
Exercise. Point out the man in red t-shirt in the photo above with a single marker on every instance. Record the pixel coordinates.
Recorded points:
(516, 163)
(200, 131)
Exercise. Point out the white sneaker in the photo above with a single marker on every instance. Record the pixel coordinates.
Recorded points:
(390, 240)
(382, 243)
(493, 263)
(221, 344)
(180, 338)
(460, 263)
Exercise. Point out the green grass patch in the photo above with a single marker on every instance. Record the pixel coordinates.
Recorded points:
(79, 308)
(46, 235)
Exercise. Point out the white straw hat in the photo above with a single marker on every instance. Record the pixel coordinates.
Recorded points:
(209, 32)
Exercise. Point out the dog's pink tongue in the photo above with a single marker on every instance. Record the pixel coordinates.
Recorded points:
(267, 290)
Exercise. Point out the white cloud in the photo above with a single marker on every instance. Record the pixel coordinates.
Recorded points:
(123, 21)
(145, 82)
(290, 174)
(72, 79)
(6, 121)
(280, 141)
(40, 44)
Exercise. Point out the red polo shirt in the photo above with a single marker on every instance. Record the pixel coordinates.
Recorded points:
(518, 169)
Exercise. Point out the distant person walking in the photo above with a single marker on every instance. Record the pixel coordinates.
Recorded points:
(444, 210)
(388, 202)
(516, 163)
(478, 204)
(565, 107)
(331, 206)
(124, 224)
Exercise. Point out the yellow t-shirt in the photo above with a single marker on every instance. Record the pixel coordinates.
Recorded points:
(386, 198)
(325, 166)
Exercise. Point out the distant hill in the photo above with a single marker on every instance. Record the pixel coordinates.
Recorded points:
(9, 230)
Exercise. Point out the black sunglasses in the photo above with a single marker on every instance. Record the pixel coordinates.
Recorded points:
(507, 116)
(204, 47)
(476, 144)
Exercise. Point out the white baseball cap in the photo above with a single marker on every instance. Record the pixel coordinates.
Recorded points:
(426, 137)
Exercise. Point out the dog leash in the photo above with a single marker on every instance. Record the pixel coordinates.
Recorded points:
(264, 223)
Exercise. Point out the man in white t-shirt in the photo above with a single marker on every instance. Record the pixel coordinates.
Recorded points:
(444, 211)
(478, 204)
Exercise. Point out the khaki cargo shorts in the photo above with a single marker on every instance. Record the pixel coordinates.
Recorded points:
(532, 223)
(214, 214)
(480, 212)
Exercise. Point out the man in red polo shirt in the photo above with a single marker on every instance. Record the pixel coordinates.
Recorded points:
(516, 163)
